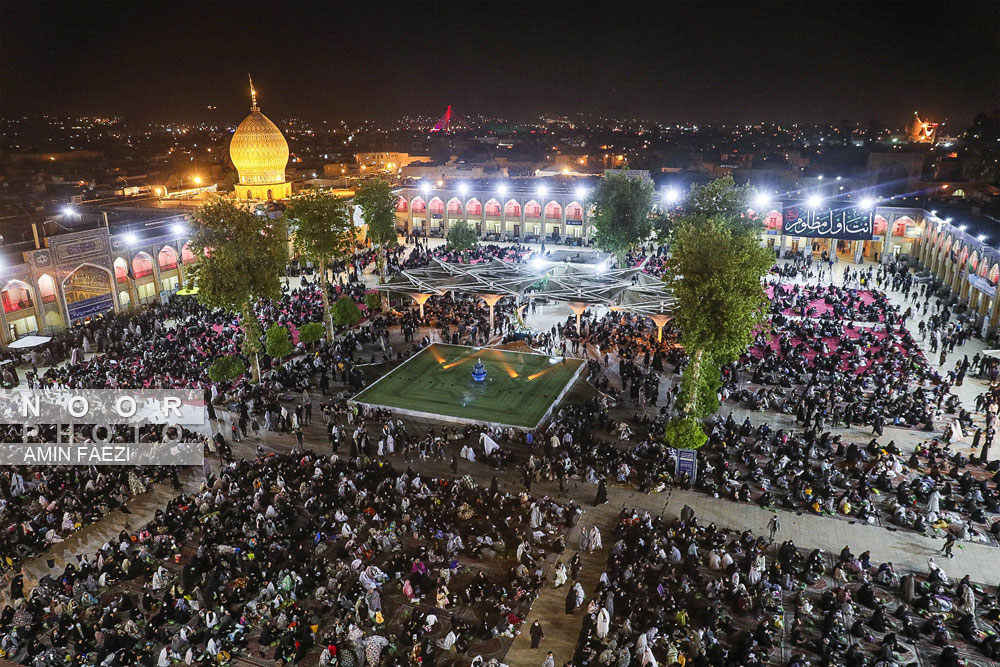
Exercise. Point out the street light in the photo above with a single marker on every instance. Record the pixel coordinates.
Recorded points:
(197, 180)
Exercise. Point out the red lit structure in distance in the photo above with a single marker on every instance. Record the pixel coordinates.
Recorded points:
(444, 123)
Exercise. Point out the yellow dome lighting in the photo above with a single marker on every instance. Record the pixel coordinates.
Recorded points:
(260, 153)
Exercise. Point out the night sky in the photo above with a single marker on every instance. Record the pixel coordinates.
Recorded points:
(697, 61)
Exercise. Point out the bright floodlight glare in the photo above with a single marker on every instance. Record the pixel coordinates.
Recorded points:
(762, 199)
(537, 263)
(463, 189)
(542, 191)
(426, 188)
(814, 201)
(671, 196)
(982, 237)
(867, 202)
(962, 228)
(69, 210)
(130, 238)
(581, 193)
(502, 190)
(178, 229)
(947, 219)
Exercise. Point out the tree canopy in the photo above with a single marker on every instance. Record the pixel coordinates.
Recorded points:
(622, 215)
(323, 229)
(345, 312)
(241, 255)
(278, 341)
(462, 236)
(226, 368)
(311, 332)
(322, 226)
(378, 210)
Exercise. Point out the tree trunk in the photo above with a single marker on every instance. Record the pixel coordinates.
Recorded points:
(695, 370)
(251, 338)
(327, 317)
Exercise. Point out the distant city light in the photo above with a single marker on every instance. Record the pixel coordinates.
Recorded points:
(867, 202)
(672, 196)
(814, 201)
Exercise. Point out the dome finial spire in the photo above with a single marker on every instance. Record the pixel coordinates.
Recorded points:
(253, 95)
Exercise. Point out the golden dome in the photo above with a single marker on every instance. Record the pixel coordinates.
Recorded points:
(258, 149)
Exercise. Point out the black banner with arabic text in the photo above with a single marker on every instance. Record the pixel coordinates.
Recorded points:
(850, 224)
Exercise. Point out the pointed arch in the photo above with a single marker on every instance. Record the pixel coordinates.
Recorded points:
(454, 206)
(436, 206)
(121, 269)
(418, 205)
(512, 209)
(16, 295)
(574, 211)
(142, 265)
(167, 258)
(473, 208)
(187, 256)
(532, 209)
(47, 288)
(493, 208)
(402, 206)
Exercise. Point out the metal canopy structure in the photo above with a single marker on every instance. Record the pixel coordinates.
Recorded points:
(619, 289)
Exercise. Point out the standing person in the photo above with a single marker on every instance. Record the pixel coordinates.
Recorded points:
(602, 493)
(949, 544)
(537, 634)
(773, 526)
(550, 660)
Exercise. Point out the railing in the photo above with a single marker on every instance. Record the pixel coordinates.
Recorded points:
(15, 307)
(145, 273)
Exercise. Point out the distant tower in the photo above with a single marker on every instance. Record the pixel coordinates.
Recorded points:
(444, 123)
(260, 153)
(920, 131)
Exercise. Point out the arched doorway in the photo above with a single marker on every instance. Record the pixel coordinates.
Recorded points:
(89, 292)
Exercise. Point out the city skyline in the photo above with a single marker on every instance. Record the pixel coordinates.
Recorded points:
(677, 62)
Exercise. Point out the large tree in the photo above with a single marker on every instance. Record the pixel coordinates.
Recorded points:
(378, 210)
(241, 256)
(322, 230)
(462, 236)
(716, 269)
(622, 218)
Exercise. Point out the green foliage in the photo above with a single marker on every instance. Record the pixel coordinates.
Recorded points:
(622, 213)
(722, 197)
(378, 209)
(322, 227)
(279, 342)
(345, 312)
(462, 236)
(311, 332)
(226, 368)
(373, 301)
(703, 377)
(716, 276)
(240, 255)
(685, 433)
